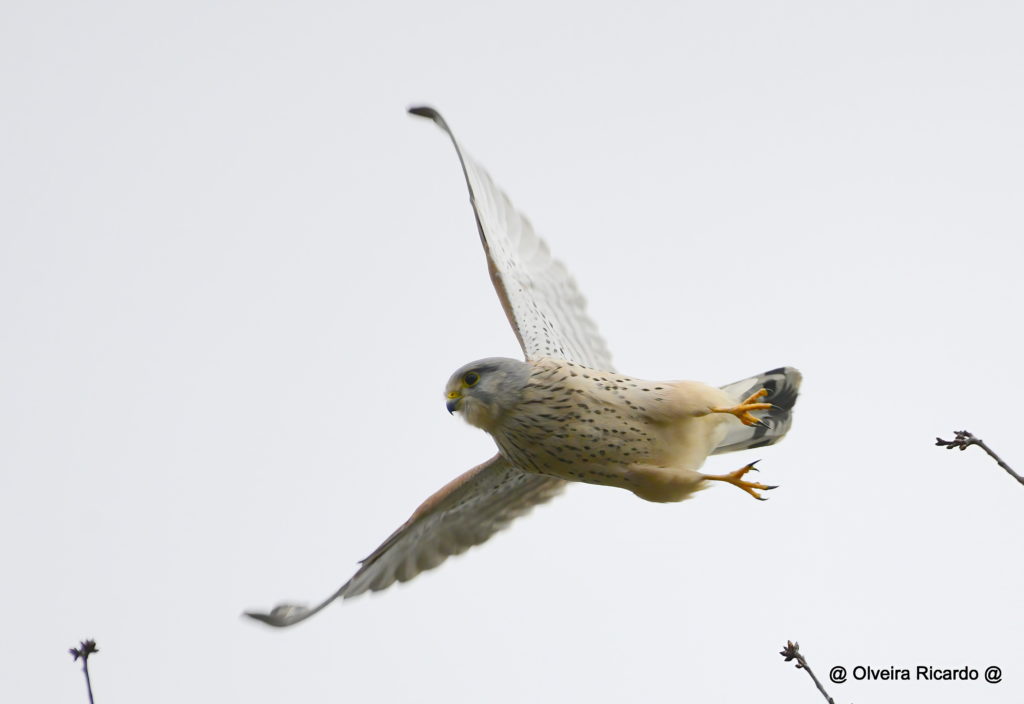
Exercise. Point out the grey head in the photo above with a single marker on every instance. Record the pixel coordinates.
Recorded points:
(484, 390)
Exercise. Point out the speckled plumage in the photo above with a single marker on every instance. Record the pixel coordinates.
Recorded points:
(582, 424)
(561, 419)
(555, 417)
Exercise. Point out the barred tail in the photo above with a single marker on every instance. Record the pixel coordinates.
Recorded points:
(782, 384)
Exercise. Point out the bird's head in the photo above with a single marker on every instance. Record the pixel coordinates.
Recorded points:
(483, 391)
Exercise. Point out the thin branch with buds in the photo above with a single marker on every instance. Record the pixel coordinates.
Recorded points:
(792, 652)
(84, 650)
(965, 439)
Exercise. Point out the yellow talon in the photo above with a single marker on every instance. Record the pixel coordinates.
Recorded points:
(736, 479)
(743, 410)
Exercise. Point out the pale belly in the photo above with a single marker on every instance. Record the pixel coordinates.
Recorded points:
(593, 428)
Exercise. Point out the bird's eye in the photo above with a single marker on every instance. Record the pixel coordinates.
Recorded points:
(470, 379)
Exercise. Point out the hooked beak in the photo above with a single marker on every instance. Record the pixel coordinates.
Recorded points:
(454, 401)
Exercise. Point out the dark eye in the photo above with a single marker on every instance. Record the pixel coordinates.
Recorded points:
(470, 379)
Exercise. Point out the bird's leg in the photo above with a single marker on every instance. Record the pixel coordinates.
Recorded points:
(743, 410)
(736, 479)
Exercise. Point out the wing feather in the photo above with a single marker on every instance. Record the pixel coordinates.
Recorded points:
(465, 512)
(548, 314)
(540, 297)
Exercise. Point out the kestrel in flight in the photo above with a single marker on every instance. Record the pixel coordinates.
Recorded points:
(562, 415)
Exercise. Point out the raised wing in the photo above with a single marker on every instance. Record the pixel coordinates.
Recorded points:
(540, 298)
(466, 512)
(548, 315)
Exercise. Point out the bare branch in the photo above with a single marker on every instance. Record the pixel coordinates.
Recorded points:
(84, 650)
(964, 439)
(792, 652)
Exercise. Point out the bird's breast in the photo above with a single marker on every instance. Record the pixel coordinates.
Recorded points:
(581, 424)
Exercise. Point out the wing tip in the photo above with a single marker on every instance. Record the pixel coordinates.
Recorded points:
(429, 113)
(281, 616)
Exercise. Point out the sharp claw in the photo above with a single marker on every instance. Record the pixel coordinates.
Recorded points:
(742, 411)
(736, 479)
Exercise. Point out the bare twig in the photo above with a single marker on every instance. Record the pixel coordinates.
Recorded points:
(791, 652)
(84, 650)
(965, 439)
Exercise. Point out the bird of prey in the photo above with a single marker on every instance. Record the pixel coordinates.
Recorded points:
(563, 414)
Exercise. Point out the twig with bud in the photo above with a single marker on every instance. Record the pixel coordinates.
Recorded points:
(792, 652)
(84, 650)
(964, 439)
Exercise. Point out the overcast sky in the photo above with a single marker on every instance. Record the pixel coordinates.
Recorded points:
(235, 275)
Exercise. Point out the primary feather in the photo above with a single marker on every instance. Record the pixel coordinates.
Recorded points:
(548, 315)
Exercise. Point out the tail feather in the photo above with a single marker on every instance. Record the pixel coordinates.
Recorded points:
(783, 385)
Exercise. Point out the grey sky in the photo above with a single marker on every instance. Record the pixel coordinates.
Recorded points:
(234, 276)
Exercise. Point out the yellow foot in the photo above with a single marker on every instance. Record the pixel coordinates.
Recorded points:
(736, 479)
(743, 410)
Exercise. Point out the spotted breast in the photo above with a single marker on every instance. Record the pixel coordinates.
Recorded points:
(586, 425)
